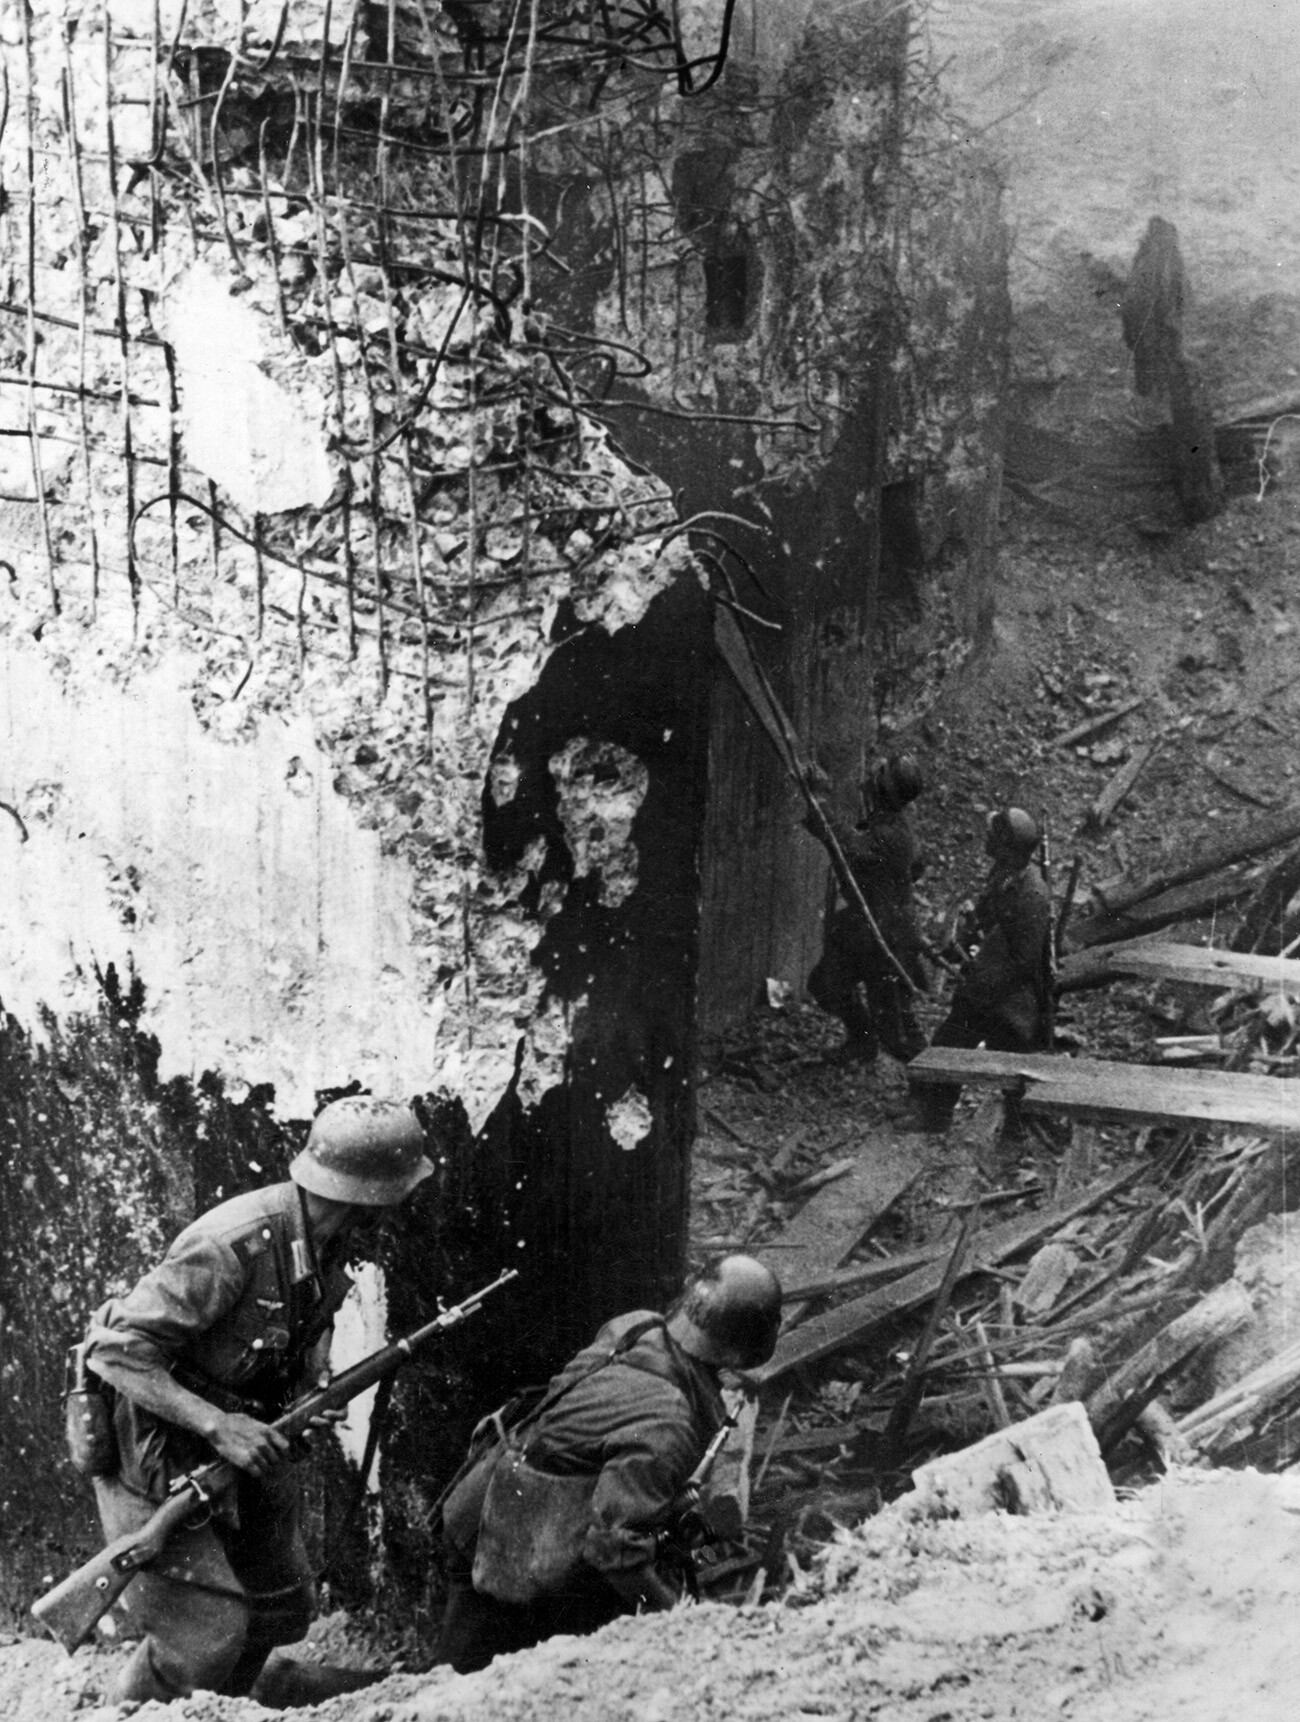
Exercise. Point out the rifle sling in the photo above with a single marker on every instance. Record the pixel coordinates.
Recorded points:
(378, 1414)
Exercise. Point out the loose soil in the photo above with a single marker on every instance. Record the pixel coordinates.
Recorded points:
(1180, 1603)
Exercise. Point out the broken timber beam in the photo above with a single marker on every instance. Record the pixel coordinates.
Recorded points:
(1196, 965)
(1117, 1404)
(1241, 844)
(1094, 725)
(1124, 1093)
(1231, 1417)
(1187, 902)
(851, 1323)
(1103, 808)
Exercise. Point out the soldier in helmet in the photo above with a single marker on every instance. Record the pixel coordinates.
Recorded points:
(854, 979)
(1002, 998)
(618, 1432)
(229, 1328)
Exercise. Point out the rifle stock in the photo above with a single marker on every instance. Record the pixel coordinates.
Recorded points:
(74, 1607)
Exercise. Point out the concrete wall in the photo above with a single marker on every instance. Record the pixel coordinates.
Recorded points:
(811, 283)
(336, 746)
(278, 939)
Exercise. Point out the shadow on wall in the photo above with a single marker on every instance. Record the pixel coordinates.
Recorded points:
(101, 1164)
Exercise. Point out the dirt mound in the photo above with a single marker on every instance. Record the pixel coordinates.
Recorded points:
(1180, 1603)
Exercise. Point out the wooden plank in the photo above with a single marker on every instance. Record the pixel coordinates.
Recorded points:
(1124, 1093)
(830, 1226)
(1240, 844)
(1195, 964)
(851, 1322)
(1094, 725)
(1188, 902)
(1112, 795)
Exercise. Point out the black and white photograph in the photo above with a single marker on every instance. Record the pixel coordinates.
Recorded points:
(649, 860)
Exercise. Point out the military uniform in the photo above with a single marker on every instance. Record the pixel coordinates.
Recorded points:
(882, 856)
(239, 1312)
(1002, 996)
(639, 1426)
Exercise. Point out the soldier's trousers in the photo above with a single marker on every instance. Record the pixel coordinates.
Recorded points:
(219, 1598)
(476, 1628)
(852, 981)
(967, 1026)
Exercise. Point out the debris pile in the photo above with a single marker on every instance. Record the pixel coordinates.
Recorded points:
(1115, 1615)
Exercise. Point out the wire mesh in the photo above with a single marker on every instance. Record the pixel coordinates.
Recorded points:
(359, 177)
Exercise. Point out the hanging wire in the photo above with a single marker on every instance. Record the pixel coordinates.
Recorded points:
(451, 132)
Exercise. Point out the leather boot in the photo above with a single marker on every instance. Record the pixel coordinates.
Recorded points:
(286, 1682)
(140, 1680)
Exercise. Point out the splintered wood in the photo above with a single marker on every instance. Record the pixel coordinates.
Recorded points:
(851, 1323)
(1115, 1406)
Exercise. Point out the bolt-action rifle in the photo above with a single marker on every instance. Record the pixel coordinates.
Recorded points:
(72, 1609)
(696, 1519)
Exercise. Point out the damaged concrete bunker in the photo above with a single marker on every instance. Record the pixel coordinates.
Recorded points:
(374, 383)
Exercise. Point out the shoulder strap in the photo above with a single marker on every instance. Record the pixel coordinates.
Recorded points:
(624, 1344)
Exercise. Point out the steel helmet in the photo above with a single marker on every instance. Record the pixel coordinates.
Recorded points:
(896, 781)
(362, 1150)
(1012, 831)
(729, 1314)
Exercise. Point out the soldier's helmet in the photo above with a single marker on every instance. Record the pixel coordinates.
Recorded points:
(896, 781)
(362, 1150)
(729, 1314)
(1012, 832)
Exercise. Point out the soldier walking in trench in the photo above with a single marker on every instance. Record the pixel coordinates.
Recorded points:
(556, 1526)
(230, 1326)
(1003, 995)
(854, 979)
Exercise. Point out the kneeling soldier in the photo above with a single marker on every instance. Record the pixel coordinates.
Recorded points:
(556, 1529)
(219, 1337)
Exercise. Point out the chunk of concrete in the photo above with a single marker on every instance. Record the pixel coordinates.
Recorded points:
(260, 441)
(1048, 1463)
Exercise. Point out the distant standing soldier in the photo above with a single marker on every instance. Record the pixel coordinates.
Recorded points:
(224, 1333)
(854, 979)
(1003, 994)
(569, 1540)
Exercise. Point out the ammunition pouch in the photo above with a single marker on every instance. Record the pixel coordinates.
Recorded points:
(532, 1528)
(88, 1419)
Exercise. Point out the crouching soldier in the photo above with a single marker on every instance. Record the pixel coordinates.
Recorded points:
(221, 1336)
(555, 1528)
(1003, 995)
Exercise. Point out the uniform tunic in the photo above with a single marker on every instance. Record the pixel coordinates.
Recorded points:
(238, 1311)
(882, 856)
(639, 1425)
(233, 1311)
(1002, 996)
